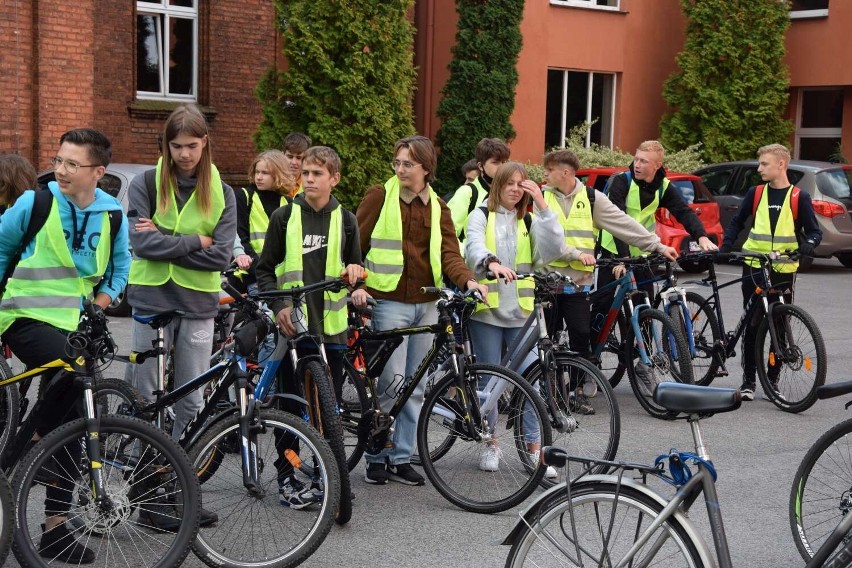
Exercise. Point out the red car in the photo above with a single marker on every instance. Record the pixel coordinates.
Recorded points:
(672, 233)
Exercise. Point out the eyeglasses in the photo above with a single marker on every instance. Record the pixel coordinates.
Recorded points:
(70, 166)
(396, 164)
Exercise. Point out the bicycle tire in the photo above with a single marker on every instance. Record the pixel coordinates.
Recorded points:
(7, 518)
(705, 335)
(792, 393)
(117, 397)
(819, 497)
(354, 400)
(138, 462)
(10, 407)
(596, 434)
(325, 417)
(226, 545)
(612, 356)
(661, 361)
(547, 540)
(456, 474)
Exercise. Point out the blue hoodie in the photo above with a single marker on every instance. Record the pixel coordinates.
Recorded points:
(16, 219)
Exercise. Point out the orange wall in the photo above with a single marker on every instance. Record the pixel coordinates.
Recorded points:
(818, 50)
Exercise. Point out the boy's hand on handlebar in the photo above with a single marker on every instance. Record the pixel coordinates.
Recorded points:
(618, 271)
(669, 253)
(706, 244)
(503, 272)
(483, 290)
(587, 259)
(353, 273)
(359, 298)
(282, 320)
(243, 261)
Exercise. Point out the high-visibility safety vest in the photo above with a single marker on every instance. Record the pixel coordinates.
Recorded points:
(384, 261)
(258, 221)
(47, 286)
(188, 221)
(461, 209)
(523, 263)
(645, 217)
(289, 273)
(578, 227)
(762, 240)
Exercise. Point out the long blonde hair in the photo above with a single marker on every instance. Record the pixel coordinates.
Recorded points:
(187, 120)
(282, 182)
(501, 178)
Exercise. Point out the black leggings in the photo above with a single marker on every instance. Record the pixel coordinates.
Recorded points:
(785, 282)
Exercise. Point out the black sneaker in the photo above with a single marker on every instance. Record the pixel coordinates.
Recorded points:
(747, 391)
(376, 474)
(404, 473)
(59, 544)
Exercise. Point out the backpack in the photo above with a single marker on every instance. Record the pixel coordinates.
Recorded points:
(474, 197)
(794, 201)
(42, 202)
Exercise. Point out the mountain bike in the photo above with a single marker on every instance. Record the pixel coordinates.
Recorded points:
(7, 518)
(789, 349)
(104, 467)
(652, 348)
(616, 519)
(459, 418)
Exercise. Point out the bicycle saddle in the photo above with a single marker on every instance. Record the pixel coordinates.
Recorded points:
(157, 321)
(695, 399)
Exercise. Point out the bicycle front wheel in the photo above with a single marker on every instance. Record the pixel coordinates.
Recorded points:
(612, 355)
(144, 472)
(489, 467)
(10, 406)
(705, 335)
(607, 519)
(791, 371)
(7, 518)
(666, 363)
(354, 401)
(588, 422)
(821, 495)
(309, 464)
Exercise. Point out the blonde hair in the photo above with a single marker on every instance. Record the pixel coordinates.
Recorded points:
(779, 151)
(652, 146)
(187, 120)
(282, 182)
(501, 179)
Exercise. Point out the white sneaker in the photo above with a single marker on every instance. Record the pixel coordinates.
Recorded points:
(550, 472)
(490, 458)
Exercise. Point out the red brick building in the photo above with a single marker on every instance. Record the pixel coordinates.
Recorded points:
(121, 66)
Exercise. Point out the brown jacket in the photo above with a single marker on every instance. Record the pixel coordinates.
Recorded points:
(416, 227)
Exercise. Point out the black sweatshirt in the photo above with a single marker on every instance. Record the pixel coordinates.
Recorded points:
(806, 223)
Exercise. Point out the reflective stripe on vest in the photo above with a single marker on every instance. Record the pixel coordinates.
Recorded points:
(46, 285)
(578, 227)
(258, 221)
(190, 220)
(384, 261)
(525, 288)
(645, 217)
(290, 272)
(762, 240)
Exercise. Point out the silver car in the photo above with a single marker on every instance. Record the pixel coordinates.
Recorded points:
(827, 183)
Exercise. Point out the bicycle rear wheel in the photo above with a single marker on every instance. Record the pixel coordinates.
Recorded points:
(142, 468)
(705, 335)
(7, 518)
(821, 495)
(324, 416)
(460, 474)
(612, 355)
(790, 376)
(586, 405)
(608, 520)
(658, 333)
(226, 544)
(354, 400)
(10, 406)
(115, 396)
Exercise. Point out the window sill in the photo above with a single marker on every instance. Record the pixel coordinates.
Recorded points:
(586, 6)
(160, 109)
(808, 14)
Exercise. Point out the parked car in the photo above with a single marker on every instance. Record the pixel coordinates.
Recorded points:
(672, 233)
(116, 181)
(826, 182)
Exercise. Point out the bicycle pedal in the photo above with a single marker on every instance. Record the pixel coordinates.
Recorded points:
(722, 372)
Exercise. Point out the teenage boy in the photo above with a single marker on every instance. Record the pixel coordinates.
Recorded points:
(295, 146)
(583, 212)
(38, 311)
(315, 237)
(470, 171)
(491, 153)
(782, 219)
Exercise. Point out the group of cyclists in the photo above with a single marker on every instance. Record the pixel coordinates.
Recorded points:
(185, 225)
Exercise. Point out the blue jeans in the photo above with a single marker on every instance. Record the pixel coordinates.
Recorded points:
(403, 363)
(488, 341)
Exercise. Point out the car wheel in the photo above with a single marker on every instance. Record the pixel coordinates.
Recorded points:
(845, 259)
(119, 307)
(805, 263)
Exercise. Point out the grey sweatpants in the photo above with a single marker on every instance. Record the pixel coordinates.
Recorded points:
(192, 341)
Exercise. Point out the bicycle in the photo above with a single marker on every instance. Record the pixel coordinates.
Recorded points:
(105, 467)
(618, 520)
(652, 348)
(458, 418)
(581, 406)
(795, 347)
(821, 494)
(233, 451)
(7, 518)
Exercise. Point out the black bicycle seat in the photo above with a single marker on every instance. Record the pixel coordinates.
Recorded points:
(695, 399)
(162, 319)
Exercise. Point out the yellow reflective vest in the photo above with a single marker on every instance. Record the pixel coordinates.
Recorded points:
(258, 221)
(523, 263)
(578, 227)
(645, 217)
(762, 240)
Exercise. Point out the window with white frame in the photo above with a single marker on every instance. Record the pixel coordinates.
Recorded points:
(575, 97)
(808, 8)
(597, 4)
(818, 123)
(167, 49)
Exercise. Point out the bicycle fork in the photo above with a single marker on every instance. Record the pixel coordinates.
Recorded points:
(93, 446)
(249, 427)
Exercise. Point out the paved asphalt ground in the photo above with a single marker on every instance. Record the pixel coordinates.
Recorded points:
(756, 451)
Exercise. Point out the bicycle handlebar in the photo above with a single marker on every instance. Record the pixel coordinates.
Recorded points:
(333, 285)
(644, 260)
